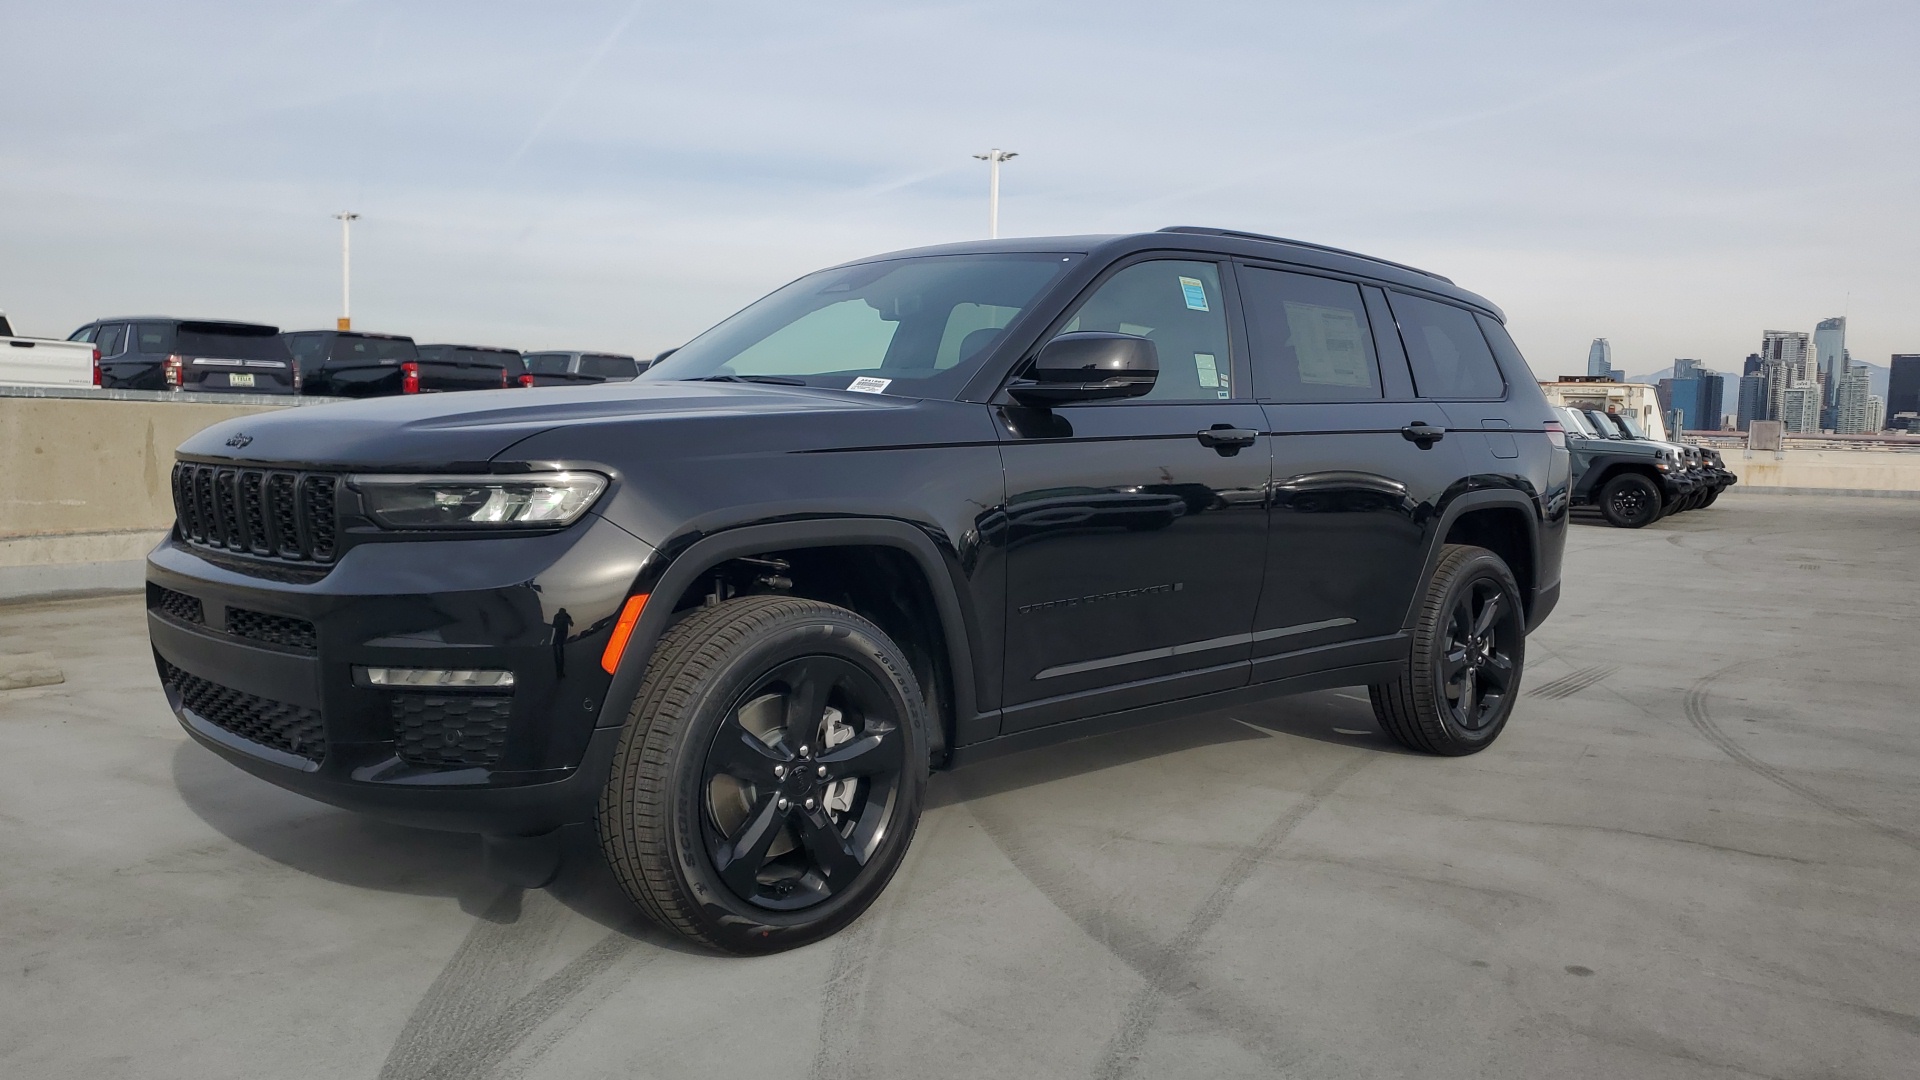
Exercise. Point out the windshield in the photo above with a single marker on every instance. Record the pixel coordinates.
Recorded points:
(347, 350)
(1577, 422)
(924, 324)
(547, 363)
(1626, 421)
(232, 343)
(1604, 429)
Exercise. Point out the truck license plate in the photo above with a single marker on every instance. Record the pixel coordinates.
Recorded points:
(239, 380)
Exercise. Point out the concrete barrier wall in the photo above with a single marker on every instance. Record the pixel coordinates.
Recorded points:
(1866, 471)
(84, 484)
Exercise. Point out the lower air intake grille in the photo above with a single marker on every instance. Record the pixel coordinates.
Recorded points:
(288, 633)
(450, 729)
(177, 604)
(274, 724)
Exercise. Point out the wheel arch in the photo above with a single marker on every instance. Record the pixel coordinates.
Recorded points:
(950, 691)
(1604, 469)
(1506, 523)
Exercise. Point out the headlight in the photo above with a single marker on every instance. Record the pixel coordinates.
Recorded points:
(530, 501)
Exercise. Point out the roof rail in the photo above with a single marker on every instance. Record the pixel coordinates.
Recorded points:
(1202, 230)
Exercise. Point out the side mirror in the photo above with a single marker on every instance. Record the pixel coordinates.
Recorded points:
(1089, 365)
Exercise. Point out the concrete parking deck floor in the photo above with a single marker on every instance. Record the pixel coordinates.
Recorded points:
(1695, 853)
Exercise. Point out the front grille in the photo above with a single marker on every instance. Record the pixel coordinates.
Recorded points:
(450, 729)
(274, 724)
(261, 512)
(177, 604)
(281, 630)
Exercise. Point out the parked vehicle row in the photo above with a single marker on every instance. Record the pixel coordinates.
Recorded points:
(219, 356)
(1632, 480)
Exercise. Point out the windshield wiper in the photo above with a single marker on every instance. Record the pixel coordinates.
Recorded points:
(776, 380)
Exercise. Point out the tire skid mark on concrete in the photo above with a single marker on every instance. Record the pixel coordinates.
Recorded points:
(1161, 967)
(1124, 1049)
(1701, 717)
(478, 1010)
(1573, 682)
(843, 1053)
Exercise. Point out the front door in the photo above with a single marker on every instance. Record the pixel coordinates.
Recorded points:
(1360, 469)
(1135, 529)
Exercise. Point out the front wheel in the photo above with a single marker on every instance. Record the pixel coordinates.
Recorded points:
(1630, 501)
(770, 775)
(1468, 650)
(1711, 497)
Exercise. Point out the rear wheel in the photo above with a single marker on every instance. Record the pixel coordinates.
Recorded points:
(770, 775)
(1630, 501)
(1468, 650)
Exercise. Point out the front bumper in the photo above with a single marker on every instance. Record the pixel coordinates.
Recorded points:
(265, 668)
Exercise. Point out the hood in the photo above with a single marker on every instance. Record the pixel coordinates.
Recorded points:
(465, 430)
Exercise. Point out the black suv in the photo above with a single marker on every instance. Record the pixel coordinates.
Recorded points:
(346, 363)
(909, 512)
(560, 368)
(157, 353)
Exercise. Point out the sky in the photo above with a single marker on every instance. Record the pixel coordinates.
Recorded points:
(1676, 176)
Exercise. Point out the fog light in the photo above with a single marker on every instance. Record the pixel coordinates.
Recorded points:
(434, 677)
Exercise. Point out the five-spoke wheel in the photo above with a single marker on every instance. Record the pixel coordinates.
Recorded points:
(1465, 658)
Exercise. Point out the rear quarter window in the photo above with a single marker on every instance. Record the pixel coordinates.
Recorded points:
(1446, 349)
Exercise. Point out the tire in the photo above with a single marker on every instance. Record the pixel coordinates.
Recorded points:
(1630, 501)
(1439, 704)
(1712, 496)
(707, 769)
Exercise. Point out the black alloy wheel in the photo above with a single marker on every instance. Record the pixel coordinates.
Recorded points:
(1630, 501)
(770, 774)
(1466, 657)
(801, 780)
(1477, 670)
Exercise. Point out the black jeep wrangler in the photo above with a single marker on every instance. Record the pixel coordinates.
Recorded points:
(1632, 482)
(902, 514)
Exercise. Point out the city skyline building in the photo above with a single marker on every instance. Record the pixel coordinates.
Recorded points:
(1788, 365)
(1752, 402)
(1856, 409)
(1600, 359)
(1830, 361)
(1903, 384)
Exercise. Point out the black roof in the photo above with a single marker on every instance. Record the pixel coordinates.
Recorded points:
(210, 324)
(353, 333)
(1226, 242)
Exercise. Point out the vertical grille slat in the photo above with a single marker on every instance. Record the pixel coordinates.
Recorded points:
(272, 514)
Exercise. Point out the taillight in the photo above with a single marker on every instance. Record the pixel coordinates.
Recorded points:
(409, 377)
(176, 372)
(295, 365)
(526, 380)
(96, 367)
(503, 379)
(1556, 434)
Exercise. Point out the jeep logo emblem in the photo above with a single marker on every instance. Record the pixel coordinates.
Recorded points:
(240, 440)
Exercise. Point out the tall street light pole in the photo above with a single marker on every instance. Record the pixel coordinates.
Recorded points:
(993, 158)
(347, 218)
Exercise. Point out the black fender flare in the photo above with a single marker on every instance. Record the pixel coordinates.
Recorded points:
(1458, 507)
(669, 576)
(1589, 480)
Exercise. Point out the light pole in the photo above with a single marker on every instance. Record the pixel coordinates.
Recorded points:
(993, 158)
(347, 218)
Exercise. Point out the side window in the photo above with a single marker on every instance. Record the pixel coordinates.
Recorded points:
(306, 349)
(112, 339)
(1176, 305)
(1448, 353)
(1310, 341)
(153, 338)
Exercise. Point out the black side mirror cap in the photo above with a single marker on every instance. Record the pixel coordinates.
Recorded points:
(1089, 365)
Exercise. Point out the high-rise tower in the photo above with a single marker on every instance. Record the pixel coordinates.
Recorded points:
(1599, 359)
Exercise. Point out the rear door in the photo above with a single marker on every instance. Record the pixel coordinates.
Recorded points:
(1360, 466)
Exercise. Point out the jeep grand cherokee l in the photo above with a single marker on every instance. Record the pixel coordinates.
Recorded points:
(908, 512)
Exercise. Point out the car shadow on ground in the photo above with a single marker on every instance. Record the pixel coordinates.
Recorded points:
(364, 852)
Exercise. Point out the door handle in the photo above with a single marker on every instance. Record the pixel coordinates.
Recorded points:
(1226, 438)
(1422, 434)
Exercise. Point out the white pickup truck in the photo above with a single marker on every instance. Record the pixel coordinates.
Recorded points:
(28, 361)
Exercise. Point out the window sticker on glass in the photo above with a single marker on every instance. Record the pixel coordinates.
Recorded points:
(1327, 342)
(867, 384)
(1205, 369)
(1195, 293)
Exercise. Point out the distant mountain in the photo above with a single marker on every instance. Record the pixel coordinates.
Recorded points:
(1730, 383)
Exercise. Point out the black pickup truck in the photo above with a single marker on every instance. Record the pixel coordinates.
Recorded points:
(905, 513)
